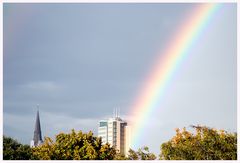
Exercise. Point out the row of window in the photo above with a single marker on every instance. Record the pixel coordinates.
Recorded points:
(101, 124)
(102, 134)
(102, 131)
(101, 128)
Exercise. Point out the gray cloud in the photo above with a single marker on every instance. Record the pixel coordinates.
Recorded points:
(79, 61)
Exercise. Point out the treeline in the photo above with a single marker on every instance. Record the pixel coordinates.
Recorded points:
(204, 144)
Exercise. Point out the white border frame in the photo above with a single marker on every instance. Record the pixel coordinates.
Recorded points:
(114, 1)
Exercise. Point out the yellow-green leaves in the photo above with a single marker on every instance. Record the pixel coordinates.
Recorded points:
(74, 146)
(142, 154)
(205, 144)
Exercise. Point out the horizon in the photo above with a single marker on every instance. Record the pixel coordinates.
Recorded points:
(79, 61)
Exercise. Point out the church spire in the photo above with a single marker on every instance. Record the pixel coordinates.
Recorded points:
(37, 138)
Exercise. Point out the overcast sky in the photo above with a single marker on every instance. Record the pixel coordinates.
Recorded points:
(79, 61)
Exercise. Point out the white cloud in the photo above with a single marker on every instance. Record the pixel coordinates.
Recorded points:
(13, 121)
(41, 86)
(53, 124)
(18, 127)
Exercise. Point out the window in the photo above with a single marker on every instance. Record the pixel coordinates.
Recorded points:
(101, 124)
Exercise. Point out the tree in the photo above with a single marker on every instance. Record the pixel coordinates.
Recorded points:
(132, 155)
(74, 146)
(13, 150)
(205, 144)
(119, 156)
(141, 154)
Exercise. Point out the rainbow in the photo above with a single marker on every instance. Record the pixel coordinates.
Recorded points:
(167, 63)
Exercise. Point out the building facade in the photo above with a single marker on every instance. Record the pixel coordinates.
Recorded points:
(103, 131)
(115, 132)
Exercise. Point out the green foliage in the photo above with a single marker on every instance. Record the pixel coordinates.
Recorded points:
(132, 155)
(120, 156)
(12, 150)
(205, 144)
(74, 146)
(141, 154)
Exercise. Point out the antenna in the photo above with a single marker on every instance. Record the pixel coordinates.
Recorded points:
(119, 111)
(113, 113)
(116, 112)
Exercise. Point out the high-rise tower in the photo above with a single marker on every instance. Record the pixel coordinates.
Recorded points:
(115, 131)
(37, 138)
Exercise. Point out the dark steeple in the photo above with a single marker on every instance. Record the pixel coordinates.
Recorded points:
(37, 138)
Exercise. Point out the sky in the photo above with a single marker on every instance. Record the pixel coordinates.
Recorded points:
(80, 61)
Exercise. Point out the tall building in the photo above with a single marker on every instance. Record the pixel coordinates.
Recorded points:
(115, 131)
(103, 131)
(128, 137)
(37, 137)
